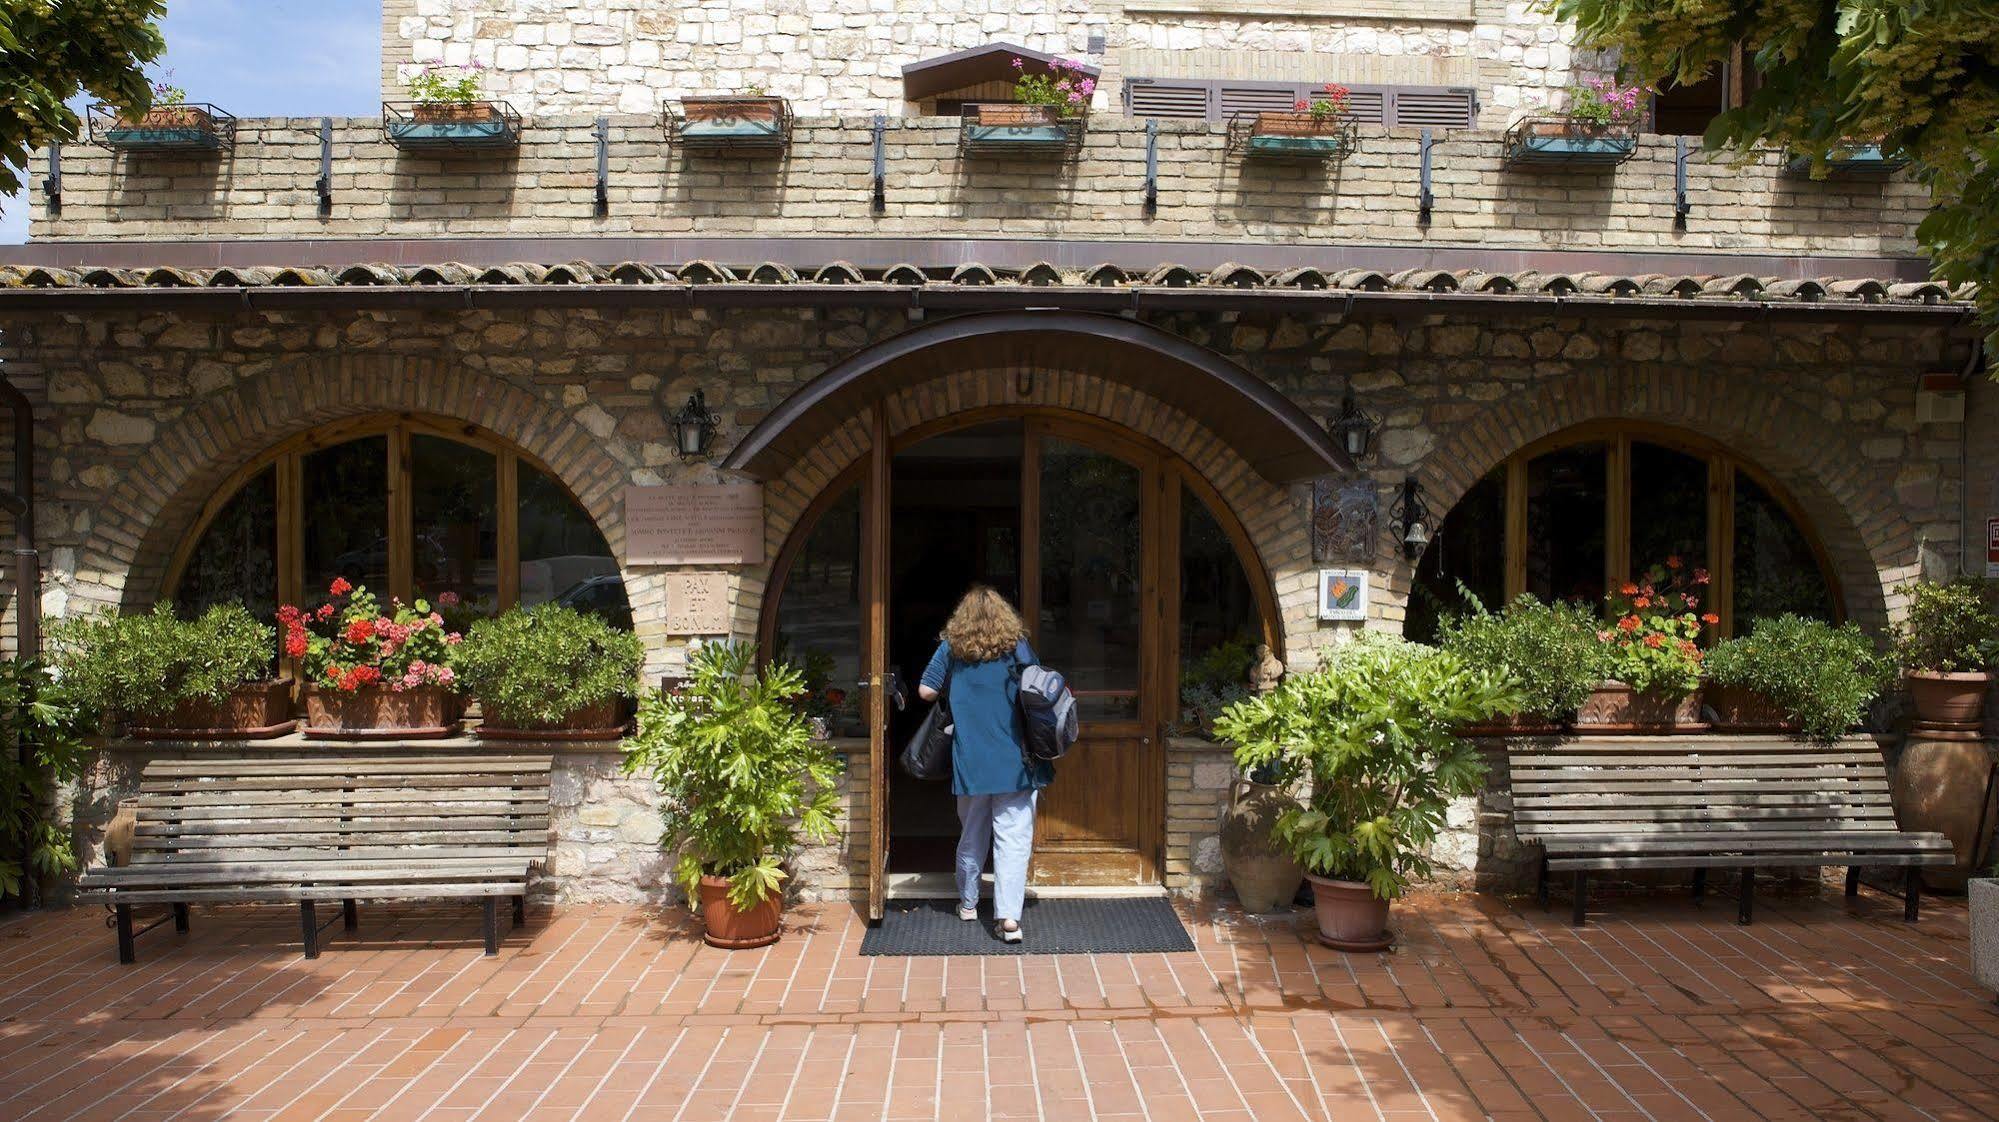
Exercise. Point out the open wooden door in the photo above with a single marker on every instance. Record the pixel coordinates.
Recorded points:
(874, 664)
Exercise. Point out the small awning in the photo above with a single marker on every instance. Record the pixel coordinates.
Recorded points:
(961, 69)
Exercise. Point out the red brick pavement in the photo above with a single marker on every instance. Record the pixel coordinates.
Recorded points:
(1488, 1009)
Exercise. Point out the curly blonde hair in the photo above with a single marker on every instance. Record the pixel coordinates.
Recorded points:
(983, 626)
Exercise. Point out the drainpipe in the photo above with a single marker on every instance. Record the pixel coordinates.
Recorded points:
(20, 502)
(1966, 550)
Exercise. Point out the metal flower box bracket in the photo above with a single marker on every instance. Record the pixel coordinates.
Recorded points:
(1560, 142)
(440, 126)
(751, 125)
(1856, 161)
(1011, 129)
(1290, 136)
(185, 128)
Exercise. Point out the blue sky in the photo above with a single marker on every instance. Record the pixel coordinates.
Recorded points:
(264, 58)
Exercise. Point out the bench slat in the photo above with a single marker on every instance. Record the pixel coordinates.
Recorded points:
(268, 895)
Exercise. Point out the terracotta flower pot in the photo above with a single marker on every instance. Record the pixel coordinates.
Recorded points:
(434, 112)
(1513, 724)
(735, 930)
(731, 108)
(602, 721)
(1741, 709)
(1351, 917)
(1295, 123)
(251, 711)
(1010, 113)
(1265, 877)
(171, 117)
(375, 713)
(1617, 708)
(1953, 702)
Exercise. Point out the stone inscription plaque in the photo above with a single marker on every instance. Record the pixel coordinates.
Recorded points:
(697, 603)
(694, 524)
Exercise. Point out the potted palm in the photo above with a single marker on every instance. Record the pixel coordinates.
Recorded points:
(741, 782)
(1796, 675)
(549, 672)
(1552, 650)
(170, 678)
(1373, 732)
(1652, 655)
(370, 672)
(1945, 647)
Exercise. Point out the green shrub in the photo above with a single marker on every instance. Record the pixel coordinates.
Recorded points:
(740, 777)
(1551, 650)
(41, 750)
(1822, 676)
(533, 667)
(1373, 728)
(1951, 628)
(1215, 679)
(141, 666)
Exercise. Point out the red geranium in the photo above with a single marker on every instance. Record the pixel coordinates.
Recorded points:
(355, 643)
(339, 587)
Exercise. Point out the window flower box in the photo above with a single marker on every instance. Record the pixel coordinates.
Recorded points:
(380, 713)
(252, 711)
(739, 123)
(447, 125)
(1741, 709)
(1856, 160)
(1614, 707)
(1015, 129)
(1569, 142)
(1291, 135)
(603, 721)
(180, 127)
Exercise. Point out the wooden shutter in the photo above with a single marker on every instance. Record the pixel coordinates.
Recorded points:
(1239, 98)
(1173, 100)
(1432, 108)
(1367, 106)
(1195, 99)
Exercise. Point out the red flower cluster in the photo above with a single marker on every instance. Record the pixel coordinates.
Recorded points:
(354, 677)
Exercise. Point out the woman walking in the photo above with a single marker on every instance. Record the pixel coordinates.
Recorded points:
(977, 667)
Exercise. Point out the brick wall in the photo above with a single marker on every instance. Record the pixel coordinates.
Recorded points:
(264, 188)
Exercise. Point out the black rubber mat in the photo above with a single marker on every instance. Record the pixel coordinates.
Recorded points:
(1122, 925)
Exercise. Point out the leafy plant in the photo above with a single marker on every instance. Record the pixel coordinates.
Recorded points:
(1067, 86)
(447, 85)
(348, 642)
(1327, 103)
(1601, 102)
(1654, 645)
(51, 52)
(143, 666)
(1216, 679)
(42, 716)
(1551, 650)
(741, 779)
(166, 93)
(533, 667)
(1822, 676)
(1951, 628)
(1373, 728)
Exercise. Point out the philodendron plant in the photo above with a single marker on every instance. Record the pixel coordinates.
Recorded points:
(1373, 729)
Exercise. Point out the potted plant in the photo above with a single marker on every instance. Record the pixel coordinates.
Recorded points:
(1319, 125)
(1552, 650)
(447, 111)
(747, 120)
(1652, 655)
(172, 678)
(369, 673)
(1945, 647)
(169, 123)
(1793, 674)
(1598, 127)
(1046, 112)
(741, 782)
(448, 93)
(549, 672)
(1374, 731)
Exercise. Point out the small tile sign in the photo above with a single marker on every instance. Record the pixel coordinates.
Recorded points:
(694, 524)
(697, 603)
(1343, 594)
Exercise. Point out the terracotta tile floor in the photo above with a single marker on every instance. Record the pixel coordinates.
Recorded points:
(1489, 1009)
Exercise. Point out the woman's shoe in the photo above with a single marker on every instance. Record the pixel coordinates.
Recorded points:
(1009, 932)
(968, 913)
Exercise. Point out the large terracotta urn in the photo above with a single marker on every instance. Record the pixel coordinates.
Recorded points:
(727, 927)
(1941, 786)
(1266, 878)
(1351, 917)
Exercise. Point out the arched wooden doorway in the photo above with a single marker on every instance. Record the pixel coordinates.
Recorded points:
(1085, 525)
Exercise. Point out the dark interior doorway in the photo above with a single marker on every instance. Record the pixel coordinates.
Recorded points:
(954, 520)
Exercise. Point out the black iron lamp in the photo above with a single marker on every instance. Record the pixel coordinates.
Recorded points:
(1410, 517)
(694, 427)
(1354, 428)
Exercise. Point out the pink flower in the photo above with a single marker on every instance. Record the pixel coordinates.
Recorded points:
(444, 674)
(448, 599)
(453, 638)
(1302, 105)
(1018, 64)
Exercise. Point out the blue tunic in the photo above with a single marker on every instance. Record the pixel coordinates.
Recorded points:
(986, 756)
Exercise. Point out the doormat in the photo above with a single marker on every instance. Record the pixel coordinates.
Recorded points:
(1067, 925)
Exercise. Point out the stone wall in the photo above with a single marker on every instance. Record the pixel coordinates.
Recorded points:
(1287, 214)
(842, 56)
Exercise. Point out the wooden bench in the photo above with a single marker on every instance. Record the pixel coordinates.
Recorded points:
(322, 828)
(1728, 802)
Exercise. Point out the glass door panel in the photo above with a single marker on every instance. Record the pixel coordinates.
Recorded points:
(1091, 568)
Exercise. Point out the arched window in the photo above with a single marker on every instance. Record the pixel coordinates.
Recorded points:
(409, 507)
(1571, 516)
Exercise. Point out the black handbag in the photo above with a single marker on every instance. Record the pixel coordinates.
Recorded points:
(928, 753)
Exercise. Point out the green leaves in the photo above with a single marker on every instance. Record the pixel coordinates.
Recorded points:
(1823, 676)
(35, 710)
(1950, 627)
(536, 666)
(1551, 650)
(144, 665)
(53, 50)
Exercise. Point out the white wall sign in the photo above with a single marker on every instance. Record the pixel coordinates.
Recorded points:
(1343, 594)
(694, 524)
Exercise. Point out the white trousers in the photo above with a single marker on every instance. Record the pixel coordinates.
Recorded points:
(1004, 826)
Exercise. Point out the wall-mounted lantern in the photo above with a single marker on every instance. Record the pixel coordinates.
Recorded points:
(1410, 517)
(1354, 428)
(694, 427)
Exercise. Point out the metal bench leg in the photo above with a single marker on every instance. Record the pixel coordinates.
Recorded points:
(127, 952)
(1541, 883)
(308, 923)
(1748, 896)
(1700, 884)
(1852, 880)
(1580, 910)
(181, 919)
(492, 925)
(520, 909)
(1912, 889)
(350, 916)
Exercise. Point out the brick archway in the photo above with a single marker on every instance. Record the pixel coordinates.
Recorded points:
(124, 560)
(1871, 547)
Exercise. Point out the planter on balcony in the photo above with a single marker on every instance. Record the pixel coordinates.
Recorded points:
(447, 125)
(164, 128)
(1012, 129)
(1291, 135)
(1563, 142)
(252, 711)
(739, 123)
(1856, 160)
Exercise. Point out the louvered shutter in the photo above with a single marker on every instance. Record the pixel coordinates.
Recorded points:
(1239, 98)
(1368, 106)
(1196, 99)
(1432, 108)
(1175, 100)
